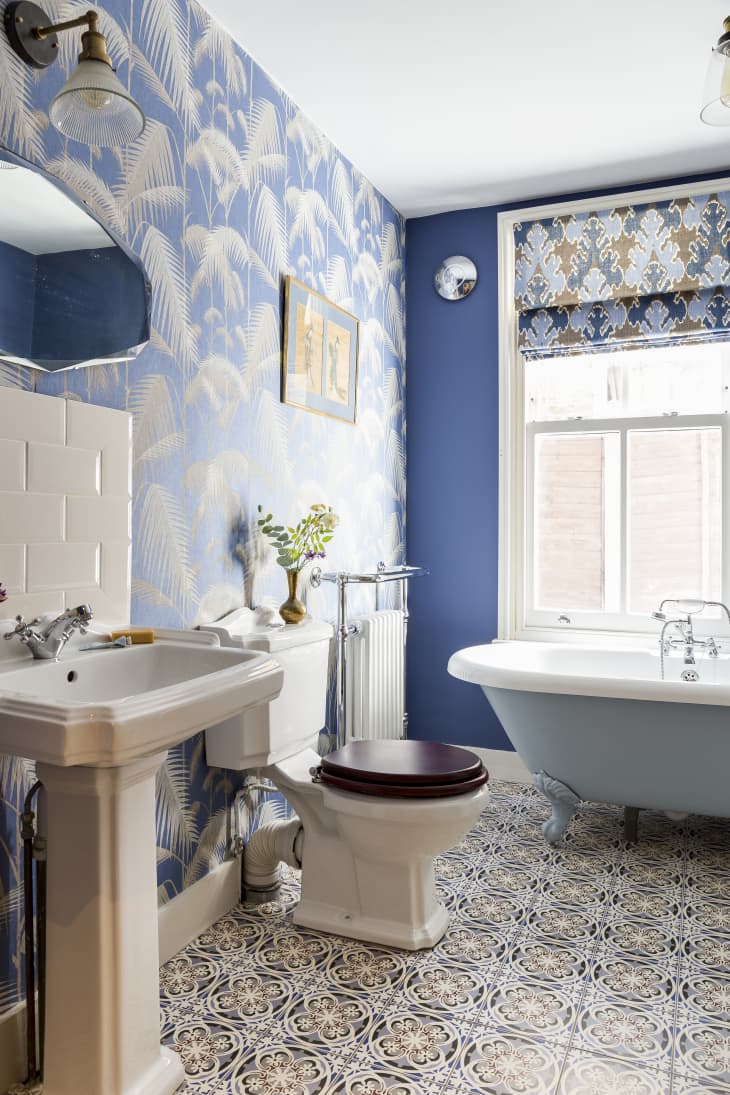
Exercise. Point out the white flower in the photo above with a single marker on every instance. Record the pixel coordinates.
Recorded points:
(329, 521)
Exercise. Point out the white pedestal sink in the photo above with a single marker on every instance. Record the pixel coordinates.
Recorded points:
(99, 725)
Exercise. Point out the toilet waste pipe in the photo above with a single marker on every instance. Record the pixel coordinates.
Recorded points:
(271, 844)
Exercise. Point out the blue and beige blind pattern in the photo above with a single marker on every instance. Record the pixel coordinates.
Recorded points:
(625, 277)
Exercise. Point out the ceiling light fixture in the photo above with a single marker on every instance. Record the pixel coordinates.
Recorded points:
(93, 106)
(716, 99)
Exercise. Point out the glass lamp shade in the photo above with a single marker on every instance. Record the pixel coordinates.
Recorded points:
(95, 108)
(716, 98)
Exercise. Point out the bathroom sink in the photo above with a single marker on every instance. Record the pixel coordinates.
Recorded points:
(106, 708)
(99, 724)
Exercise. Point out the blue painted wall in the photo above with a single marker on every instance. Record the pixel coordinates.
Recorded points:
(17, 285)
(453, 466)
(73, 288)
(453, 428)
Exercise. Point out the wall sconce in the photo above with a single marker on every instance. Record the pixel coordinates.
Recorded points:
(93, 106)
(716, 98)
(455, 277)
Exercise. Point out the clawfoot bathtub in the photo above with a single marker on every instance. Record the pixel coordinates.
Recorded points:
(601, 725)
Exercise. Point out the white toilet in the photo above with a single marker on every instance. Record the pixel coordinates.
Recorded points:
(374, 814)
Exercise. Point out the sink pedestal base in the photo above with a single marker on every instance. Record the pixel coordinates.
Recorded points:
(102, 1001)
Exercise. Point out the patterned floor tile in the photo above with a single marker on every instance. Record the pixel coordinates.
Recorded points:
(363, 1075)
(445, 988)
(366, 969)
(415, 1042)
(550, 961)
(209, 1047)
(595, 1075)
(643, 939)
(281, 1068)
(633, 981)
(702, 1048)
(618, 1029)
(706, 954)
(593, 968)
(531, 1008)
(497, 1062)
(482, 948)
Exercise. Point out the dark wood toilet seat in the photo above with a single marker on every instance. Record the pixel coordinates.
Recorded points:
(403, 769)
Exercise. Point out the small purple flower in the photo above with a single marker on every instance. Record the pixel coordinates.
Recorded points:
(3, 593)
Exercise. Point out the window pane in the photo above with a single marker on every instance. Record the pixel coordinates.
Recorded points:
(627, 384)
(570, 500)
(675, 528)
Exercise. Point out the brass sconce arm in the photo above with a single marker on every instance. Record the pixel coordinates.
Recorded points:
(36, 40)
(89, 19)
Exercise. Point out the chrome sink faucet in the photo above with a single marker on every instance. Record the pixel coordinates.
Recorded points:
(49, 642)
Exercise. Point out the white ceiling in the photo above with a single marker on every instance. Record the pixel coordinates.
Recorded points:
(448, 105)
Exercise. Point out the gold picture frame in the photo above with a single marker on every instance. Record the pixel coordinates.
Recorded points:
(320, 354)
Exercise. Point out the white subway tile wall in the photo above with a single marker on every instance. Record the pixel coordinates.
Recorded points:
(65, 497)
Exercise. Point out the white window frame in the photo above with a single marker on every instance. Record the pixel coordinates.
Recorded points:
(512, 427)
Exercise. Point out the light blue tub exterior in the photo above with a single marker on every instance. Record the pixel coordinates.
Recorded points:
(604, 725)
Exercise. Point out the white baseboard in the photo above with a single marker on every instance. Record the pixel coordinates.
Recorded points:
(178, 922)
(12, 1047)
(503, 764)
(195, 909)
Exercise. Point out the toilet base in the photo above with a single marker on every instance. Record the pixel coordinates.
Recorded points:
(370, 929)
(367, 862)
(362, 893)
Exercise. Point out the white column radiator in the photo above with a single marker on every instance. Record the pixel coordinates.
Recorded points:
(375, 677)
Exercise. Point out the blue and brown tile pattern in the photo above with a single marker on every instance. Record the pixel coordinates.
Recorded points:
(594, 968)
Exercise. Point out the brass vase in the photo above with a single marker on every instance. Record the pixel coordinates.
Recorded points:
(292, 611)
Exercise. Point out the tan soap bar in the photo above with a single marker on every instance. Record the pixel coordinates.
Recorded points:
(136, 634)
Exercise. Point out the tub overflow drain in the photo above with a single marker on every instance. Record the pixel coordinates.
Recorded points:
(690, 675)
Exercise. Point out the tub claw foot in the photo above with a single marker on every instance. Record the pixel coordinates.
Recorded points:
(564, 802)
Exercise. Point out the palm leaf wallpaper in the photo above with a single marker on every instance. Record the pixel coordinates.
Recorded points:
(228, 189)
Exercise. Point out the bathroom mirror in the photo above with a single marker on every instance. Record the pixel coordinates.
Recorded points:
(455, 277)
(70, 293)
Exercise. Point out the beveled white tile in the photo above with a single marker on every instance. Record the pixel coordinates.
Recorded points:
(62, 566)
(101, 519)
(28, 416)
(109, 431)
(60, 469)
(12, 570)
(31, 518)
(31, 605)
(12, 465)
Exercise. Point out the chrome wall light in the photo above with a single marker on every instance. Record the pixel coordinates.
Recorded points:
(93, 106)
(455, 277)
(716, 99)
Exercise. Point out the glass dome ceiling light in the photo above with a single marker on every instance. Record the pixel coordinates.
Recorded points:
(93, 106)
(716, 99)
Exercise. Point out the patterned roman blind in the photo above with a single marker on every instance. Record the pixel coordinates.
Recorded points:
(641, 274)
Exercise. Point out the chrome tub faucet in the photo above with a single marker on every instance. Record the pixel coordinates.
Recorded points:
(49, 641)
(683, 625)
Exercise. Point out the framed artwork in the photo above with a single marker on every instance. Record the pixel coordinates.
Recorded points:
(319, 364)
